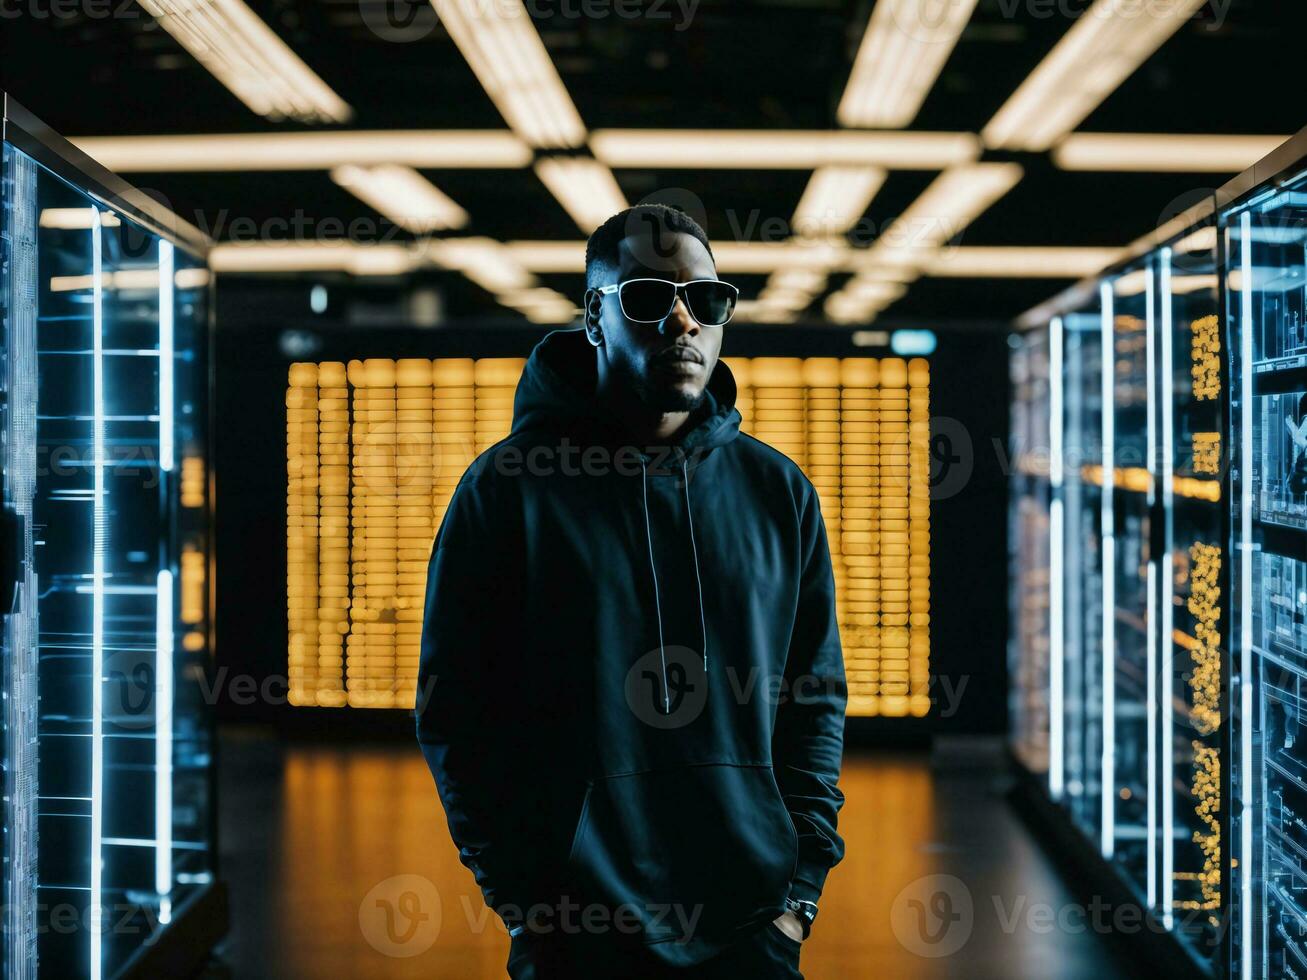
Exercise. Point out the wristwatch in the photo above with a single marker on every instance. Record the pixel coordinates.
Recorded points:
(805, 912)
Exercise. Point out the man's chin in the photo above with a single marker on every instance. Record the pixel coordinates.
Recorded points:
(673, 398)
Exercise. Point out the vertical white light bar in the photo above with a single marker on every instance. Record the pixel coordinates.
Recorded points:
(163, 645)
(1107, 531)
(1246, 812)
(1167, 571)
(1150, 616)
(1056, 570)
(165, 356)
(97, 593)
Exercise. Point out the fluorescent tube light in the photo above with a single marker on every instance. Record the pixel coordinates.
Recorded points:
(403, 195)
(783, 149)
(1105, 47)
(244, 54)
(505, 51)
(585, 188)
(901, 56)
(1019, 262)
(232, 152)
(942, 212)
(483, 260)
(316, 256)
(835, 200)
(1162, 153)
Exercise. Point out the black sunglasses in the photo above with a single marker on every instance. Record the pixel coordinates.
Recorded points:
(710, 301)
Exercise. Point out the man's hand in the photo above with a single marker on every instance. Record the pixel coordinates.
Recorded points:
(789, 924)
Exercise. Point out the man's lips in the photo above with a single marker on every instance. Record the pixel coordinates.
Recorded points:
(678, 356)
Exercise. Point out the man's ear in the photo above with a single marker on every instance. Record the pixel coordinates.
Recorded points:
(593, 307)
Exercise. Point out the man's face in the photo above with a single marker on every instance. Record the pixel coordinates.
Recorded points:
(667, 364)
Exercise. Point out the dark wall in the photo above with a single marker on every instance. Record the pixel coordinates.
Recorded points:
(968, 567)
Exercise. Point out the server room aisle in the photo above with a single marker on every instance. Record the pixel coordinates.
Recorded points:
(315, 840)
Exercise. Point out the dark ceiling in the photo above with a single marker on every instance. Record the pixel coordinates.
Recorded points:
(106, 68)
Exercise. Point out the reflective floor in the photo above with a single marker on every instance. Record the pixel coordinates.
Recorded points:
(340, 865)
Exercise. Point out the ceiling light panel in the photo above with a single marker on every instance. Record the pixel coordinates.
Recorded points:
(585, 188)
(901, 55)
(944, 210)
(313, 256)
(403, 195)
(502, 46)
(244, 54)
(782, 149)
(1162, 153)
(835, 200)
(1019, 262)
(229, 153)
(1104, 47)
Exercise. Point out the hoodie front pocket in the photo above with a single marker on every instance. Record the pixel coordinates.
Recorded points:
(580, 823)
(703, 850)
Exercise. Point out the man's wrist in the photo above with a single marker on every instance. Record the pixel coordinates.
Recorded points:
(805, 912)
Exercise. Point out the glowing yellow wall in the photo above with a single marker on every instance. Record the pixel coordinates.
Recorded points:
(366, 495)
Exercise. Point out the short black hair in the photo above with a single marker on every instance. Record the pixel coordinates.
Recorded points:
(602, 248)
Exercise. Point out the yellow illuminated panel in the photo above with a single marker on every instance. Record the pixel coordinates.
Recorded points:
(860, 428)
(375, 449)
(1205, 351)
(1205, 692)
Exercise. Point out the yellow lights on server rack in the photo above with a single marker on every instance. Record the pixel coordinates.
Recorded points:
(1205, 694)
(1207, 452)
(1204, 606)
(375, 450)
(192, 591)
(192, 482)
(859, 427)
(1205, 351)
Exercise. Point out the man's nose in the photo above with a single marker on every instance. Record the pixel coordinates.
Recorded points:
(679, 321)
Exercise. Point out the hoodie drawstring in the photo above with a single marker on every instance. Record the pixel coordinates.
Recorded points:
(653, 571)
(698, 581)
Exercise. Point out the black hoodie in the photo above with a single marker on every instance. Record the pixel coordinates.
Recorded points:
(631, 690)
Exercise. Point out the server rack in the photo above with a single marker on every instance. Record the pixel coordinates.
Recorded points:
(109, 849)
(1160, 567)
(1263, 229)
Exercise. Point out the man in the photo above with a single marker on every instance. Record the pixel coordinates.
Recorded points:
(631, 691)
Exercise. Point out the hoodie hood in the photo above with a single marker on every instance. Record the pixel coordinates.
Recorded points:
(556, 394)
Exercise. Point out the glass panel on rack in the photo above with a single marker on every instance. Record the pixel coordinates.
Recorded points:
(1030, 550)
(71, 635)
(1269, 411)
(1129, 833)
(1190, 604)
(1082, 562)
(121, 540)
